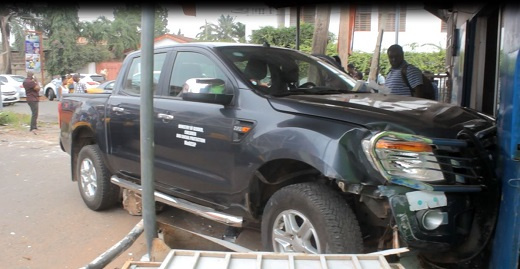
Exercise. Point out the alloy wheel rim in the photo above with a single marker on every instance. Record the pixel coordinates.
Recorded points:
(88, 177)
(293, 232)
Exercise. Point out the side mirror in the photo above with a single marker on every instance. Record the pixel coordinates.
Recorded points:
(206, 90)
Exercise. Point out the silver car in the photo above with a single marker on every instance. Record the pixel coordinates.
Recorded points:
(17, 82)
(9, 94)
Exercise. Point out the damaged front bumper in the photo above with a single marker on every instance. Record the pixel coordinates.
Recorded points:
(457, 222)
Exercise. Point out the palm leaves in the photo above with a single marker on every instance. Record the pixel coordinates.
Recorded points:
(226, 30)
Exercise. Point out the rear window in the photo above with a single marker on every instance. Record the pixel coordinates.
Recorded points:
(97, 78)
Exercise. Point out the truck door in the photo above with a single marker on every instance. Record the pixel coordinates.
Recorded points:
(124, 117)
(193, 150)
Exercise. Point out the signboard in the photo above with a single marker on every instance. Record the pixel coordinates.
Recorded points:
(32, 53)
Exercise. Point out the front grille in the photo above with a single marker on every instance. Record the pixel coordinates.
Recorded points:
(468, 159)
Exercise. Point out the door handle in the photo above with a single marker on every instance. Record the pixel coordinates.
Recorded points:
(514, 182)
(118, 109)
(165, 116)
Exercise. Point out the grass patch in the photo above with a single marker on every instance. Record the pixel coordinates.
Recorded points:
(15, 120)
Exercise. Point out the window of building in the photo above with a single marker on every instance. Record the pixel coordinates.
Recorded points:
(363, 19)
(444, 27)
(389, 24)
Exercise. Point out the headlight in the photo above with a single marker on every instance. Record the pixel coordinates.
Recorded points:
(398, 155)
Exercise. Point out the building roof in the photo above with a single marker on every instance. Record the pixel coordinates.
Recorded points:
(176, 38)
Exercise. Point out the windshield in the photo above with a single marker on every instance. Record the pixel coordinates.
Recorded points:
(280, 72)
(18, 78)
(97, 78)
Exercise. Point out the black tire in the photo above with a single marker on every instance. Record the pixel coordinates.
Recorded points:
(94, 184)
(51, 95)
(334, 228)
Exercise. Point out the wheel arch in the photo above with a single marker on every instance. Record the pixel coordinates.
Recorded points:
(276, 174)
(81, 137)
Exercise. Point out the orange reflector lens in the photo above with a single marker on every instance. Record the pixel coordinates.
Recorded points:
(245, 129)
(403, 145)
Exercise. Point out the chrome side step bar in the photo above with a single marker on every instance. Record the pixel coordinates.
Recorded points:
(196, 209)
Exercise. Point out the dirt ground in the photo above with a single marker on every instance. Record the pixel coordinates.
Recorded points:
(46, 131)
(42, 209)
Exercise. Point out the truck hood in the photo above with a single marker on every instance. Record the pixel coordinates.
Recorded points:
(387, 112)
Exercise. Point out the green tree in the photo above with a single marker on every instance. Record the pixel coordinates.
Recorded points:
(208, 32)
(61, 27)
(125, 32)
(239, 31)
(286, 37)
(161, 21)
(96, 32)
(426, 61)
(226, 30)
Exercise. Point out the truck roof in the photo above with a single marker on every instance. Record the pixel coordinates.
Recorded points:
(209, 45)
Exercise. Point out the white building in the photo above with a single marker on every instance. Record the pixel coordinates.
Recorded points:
(418, 28)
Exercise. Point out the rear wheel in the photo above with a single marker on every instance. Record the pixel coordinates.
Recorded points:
(94, 184)
(310, 218)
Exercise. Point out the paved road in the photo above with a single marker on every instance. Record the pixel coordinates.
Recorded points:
(44, 222)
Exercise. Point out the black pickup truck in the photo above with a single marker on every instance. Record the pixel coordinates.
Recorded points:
(273, 138)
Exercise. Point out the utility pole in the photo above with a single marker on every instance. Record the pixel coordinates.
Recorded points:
(346, 31)
(321, 29)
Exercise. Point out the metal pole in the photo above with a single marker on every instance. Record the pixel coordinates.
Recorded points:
(41, 57)
(147, 132)
(397, 16)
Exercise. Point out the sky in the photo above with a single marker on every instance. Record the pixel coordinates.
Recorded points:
(189, 26)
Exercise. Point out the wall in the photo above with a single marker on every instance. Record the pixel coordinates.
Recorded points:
(112, 69)
(422, 27)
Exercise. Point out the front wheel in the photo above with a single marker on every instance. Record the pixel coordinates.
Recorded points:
(310, 218)
(94, 184)
(50, 94)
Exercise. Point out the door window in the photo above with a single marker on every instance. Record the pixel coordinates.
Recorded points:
(192, 65)
(132, 83)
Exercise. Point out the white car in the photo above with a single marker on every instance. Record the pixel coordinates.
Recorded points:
(51, 91)
(92, 80)
(9, 94)
(17, 82)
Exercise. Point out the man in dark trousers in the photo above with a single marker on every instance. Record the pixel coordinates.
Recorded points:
(395, 79)
(32, 90)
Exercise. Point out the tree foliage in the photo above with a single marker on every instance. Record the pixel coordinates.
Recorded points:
(425, 61)
(286, 37)
(226, 30)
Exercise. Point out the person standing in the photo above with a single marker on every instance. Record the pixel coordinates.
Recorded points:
(68, 83)
(79, 86)
(401, 70)
(351, 70)
(57, 84)
(32, 93)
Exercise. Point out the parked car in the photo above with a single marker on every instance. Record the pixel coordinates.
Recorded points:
(17, 82)
(51, 91)
(92, 80)
(105, 87)
(9, 94)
